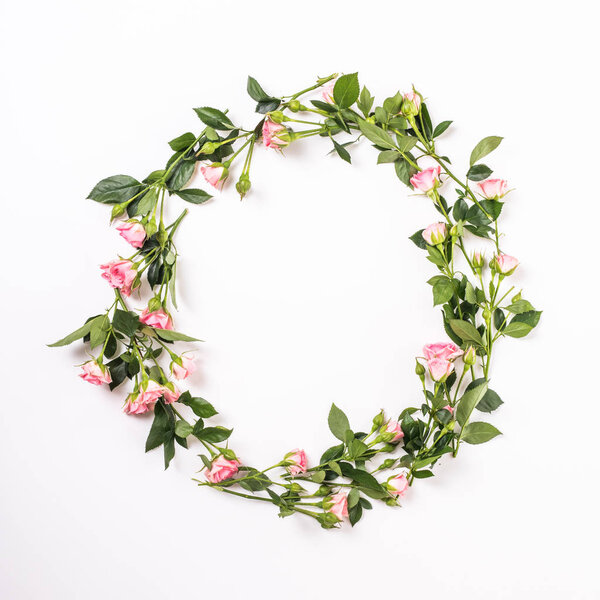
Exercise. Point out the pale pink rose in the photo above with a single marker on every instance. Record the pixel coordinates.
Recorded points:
(215, 174)
(144, 400)
(158, 319)
(445, 350)
(398, 485)
(120, 274)
(427, 179)
(478, 259)
(414, 98)
(94, 373)
(170, 395)
(297, 462)
(435, 233)
(492, 189)
(132, 232)
(439, 368)
(274, 134)
(394, 427)
(505, 264)
(186, 368)
(340, 505)
(327, 92)
(222, 469)
(449, 409)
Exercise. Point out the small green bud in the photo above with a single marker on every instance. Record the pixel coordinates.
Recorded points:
(470, 356)
(370, 120)
(487, 315)
(277, 116)
(243, 185)
(478, 260)
(154, 304)
(162, 236)
(419, 369)
(118, 210)
(324, 490)
(151, 228)
(209, 148)
(294, 105)
(378, 420)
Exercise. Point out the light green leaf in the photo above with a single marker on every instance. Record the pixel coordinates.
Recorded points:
(376, 135)
(469, 401)
(346, 90)
(466, 331)
(195, 196)
(338, 422)
(479, 432)
(175, 336)
(76, 335)
(484, 147)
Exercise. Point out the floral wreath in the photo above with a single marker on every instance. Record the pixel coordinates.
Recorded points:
(477, 309)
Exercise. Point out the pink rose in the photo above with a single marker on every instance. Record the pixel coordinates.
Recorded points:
(411, 104)
(492, 189)
(394, 427)
(427, 179)
(186, 368)
(296, 462)
(434, 234)
(170, 393)
(505, 264)
(215, 174)
(222, 469)
(95, 373)
(445, 350)
(340, 505)
(398, 485)
(120, 274)
(132, 232)
(159, 319)
(275, 135)
(327, 92)
(144, 400)
(449, 409)
(440, 368)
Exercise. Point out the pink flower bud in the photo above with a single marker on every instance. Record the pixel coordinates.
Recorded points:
(411, 104)
(143, 401)
(170, 393)
(504, 264)
(92, 372)
(397, 485)
(449, 409)
(132, 232)
(327, 92)
(159, 319)
(427, 179)
(215, 174)
(120, 274)
(185, 369)
(275, 135)
(445, 350)
(296, 462)
(440, 368)
(435, 234)
(340, 505)
(478, 259)
(395, 428)
(493, 189)
(222, 469)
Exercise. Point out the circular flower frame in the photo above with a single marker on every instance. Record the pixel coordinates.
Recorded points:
(479, 307)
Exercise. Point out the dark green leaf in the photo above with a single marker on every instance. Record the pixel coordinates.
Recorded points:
(342, 152)
(214, 435)
(346, 90)
(469, 401)
(338, 422)
(441, 128)
(195, 196)
(183, 142)
(417, 239)
(479, 172)
(466, 331)
(214, 118)
(115, 189)
(490, 402)
(126, 322)
(181, 175)
(376, 135)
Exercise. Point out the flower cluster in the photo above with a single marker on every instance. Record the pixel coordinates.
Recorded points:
(479, 307)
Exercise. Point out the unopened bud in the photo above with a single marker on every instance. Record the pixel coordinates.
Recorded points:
(243, 185)
(470, 356)
(486, 314)
(209, 148)
(294, 105)
(419, 370)
(154, 304)
(277, 116)
(151, 228)
(478, 260)
(118, 210)
(378, 420)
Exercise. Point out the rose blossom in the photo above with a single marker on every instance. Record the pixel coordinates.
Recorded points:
(186, 368)
(435, 233)
(274, 134)
(398, 485)
(132, 232)
(445, 350)
(327, 92)
(120, 274)
(492, 189)
(143, 401)
(215, 174)
(340, 505)
(222, 469)
(439, 368)
(158, 319)
(505, 264)
(427, 179)
(94, 373)
(170, 395)
(297, 462)
(449, 409)
(394, 427)
(411, 104)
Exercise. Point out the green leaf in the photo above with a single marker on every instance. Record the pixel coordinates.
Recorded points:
(484, 147)
(99, 331)
(214, 118)
(346, 90)
(255, 90)
(441, 128)
(195, 196)
(490, 402)
(469, 401)
(200, 406)
(175, 336)
(479, 172)
(169, 449)
(214, 435)
(76, 335)
(118, 372)
(342, 152)
(376, 135)
(422, 474)
(183, 429)
(183, 142)
(115, 189)
(126, 322)
(181, 175)
(355, 514)
(405, 143)
(466, 331)
(443, 290)
(417, 239)
(479, 432)
(365, 101)
(338, 422)
(470, 295)
(161, 427)
(388, 156)
(516, 329)
(404, 171)
(147, 202)
(520, 306)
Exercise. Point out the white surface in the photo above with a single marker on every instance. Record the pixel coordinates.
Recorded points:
(308, 292)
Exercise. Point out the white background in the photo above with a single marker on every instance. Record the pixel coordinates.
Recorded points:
(308, 292)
